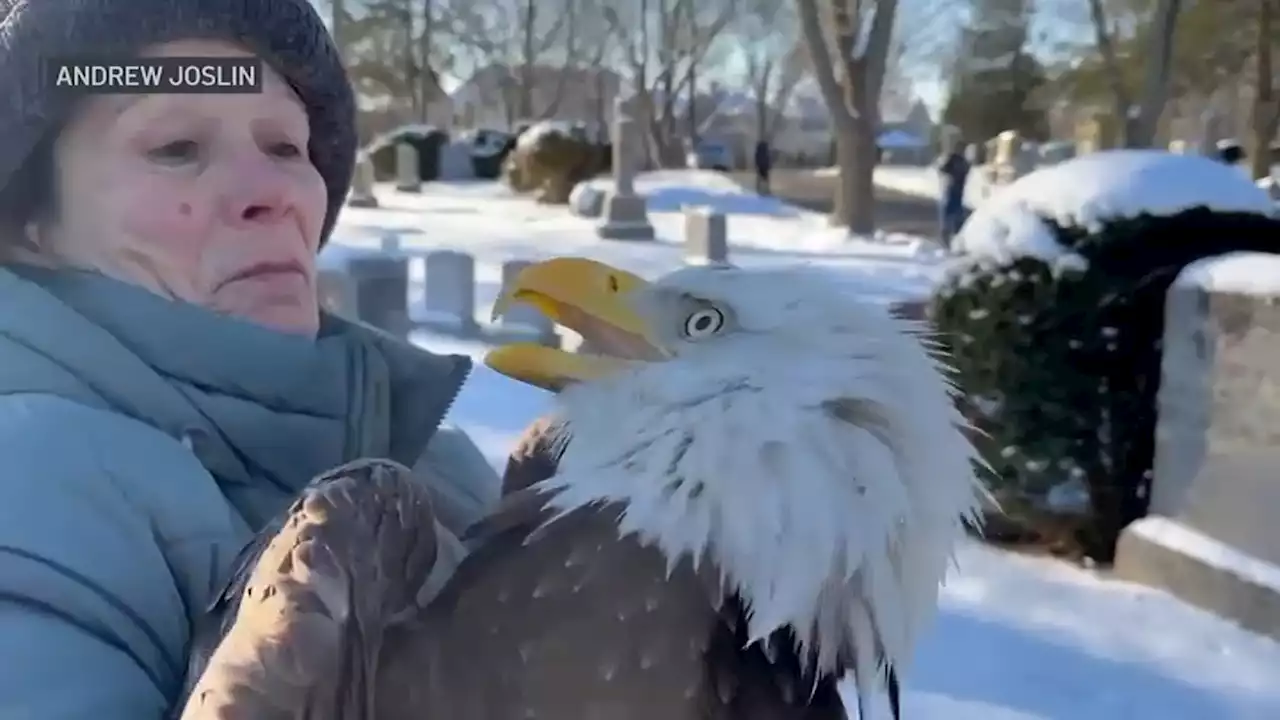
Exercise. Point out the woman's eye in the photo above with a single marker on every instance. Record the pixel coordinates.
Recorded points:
(285, 150)
(178, 151)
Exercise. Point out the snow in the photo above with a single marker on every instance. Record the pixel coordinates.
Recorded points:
(1213, 553)
(1019, 638)
(924, 182)
(493, 224)
(1246, 273)
(484, 143)
(1092, 189)
(416, 130)
(539, 130)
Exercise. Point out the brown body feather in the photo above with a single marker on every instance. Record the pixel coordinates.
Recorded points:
(566, 621)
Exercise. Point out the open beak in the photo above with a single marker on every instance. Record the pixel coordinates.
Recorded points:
(588, 297)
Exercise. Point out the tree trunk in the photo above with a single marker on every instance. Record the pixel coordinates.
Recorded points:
(1141, 129)
(853, 100)
(1265, 119)
(527, 80)
(855, 198)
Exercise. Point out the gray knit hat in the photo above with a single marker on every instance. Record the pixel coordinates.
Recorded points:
(288, 34)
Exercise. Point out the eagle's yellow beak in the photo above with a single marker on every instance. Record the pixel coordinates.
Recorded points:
(588, 297)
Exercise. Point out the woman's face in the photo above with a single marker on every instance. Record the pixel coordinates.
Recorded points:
(210, 199)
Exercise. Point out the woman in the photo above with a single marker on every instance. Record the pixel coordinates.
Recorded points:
(167, 382)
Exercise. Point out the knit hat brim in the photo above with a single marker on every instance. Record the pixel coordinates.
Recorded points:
(288, 34)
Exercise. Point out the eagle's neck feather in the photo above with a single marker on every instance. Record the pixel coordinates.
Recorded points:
(815, 523)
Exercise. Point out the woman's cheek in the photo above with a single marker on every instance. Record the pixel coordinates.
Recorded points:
(310, 199)
(163, 241)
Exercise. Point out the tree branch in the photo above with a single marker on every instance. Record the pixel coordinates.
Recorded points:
(815, 42)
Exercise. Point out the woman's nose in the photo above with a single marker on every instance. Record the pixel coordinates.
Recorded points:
(258, 190)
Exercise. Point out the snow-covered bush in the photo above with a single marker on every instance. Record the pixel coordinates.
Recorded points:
(427, 140)
(1055, 314)
(550, 159)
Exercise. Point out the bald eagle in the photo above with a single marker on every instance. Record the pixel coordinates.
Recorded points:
(758, 491)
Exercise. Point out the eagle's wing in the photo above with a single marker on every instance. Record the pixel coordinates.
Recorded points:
(568, 620)
(306, 611)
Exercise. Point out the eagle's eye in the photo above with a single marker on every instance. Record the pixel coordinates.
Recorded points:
(703, 323)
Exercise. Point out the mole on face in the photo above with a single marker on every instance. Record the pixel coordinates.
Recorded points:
(184, 208)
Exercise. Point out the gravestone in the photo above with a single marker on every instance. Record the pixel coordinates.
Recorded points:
(449, 300)
(391, 243)
(706, 237)
(456, 162)
(1012, 159)
(407, 176)
(992, 146)
(381, 284)
(522, 320)
(586, 201)
(337, 291)
(362, 184)
(626, 214)
(1211, 537)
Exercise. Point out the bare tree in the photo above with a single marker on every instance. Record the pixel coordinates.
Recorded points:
(387, 48)
(521, 40)
(661, 44)
(775, 61)
(1138, 113)
(849, 64)
(1264, 118)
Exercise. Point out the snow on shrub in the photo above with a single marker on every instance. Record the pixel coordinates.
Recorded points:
(550, 158)
(1055, 315)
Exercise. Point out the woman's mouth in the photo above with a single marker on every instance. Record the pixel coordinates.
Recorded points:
(264, 270)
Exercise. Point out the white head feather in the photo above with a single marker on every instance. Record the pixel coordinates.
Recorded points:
(801, 439)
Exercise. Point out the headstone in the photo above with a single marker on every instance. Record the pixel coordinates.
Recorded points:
(337, 292)
(456, 162)
(522, 320)
(626, 215)
(586, 200)
(992, 147)
(362, 184)
(381, 284)
(1011, 162)
(449, 300)
(1091, 134)
(1211, 536)
(391, 243)
(407, 177)
(706, 238)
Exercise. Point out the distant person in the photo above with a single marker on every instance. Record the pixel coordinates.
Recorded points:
(764, 164)
(954, 171)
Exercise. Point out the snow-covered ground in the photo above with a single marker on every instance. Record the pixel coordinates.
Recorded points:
(924, 182)
(1019, 638)
(491, 223)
